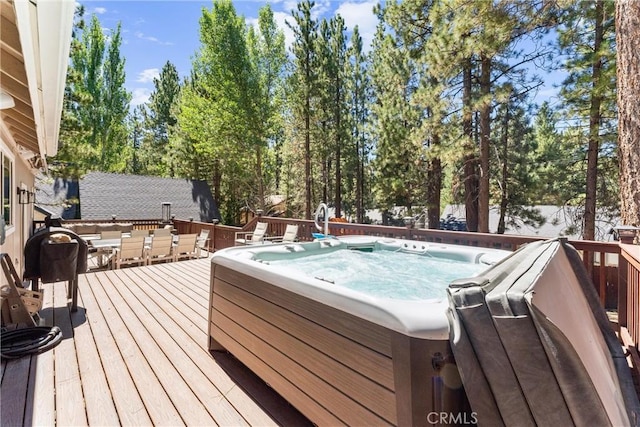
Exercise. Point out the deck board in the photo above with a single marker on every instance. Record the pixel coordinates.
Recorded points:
(42, 414)
(136, 353)
(193, 340)
(68, 388)
(101, 409)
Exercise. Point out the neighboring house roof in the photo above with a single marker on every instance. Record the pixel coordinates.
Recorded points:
(102, 195)
(57, 197)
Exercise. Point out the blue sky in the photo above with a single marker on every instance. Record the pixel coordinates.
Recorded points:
(155, 32)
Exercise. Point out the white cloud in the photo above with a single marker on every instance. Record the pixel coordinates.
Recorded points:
(253, 22)
(290, 5)
(140, 96)
(281, 19)
(353, 13)
(148, 75)
(360, 14)
(100, 10)
(142, 36)
(320, 9)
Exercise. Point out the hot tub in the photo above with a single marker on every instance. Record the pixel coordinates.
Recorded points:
(338, 354)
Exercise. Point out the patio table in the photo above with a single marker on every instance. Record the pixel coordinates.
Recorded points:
(104, 247)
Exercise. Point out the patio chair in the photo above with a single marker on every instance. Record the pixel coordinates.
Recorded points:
(186, 247)
(161, 249)
(290, 235)
(103, 253)
(252, 237)
(203, 241)
(139, 233)
(131, 251)
(161, 232)
(110, 235)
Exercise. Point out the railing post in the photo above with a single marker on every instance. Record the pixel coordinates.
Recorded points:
(212, 241)
(626, 235)
(623, 267)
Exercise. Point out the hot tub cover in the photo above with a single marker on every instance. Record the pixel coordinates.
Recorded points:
(534, 346)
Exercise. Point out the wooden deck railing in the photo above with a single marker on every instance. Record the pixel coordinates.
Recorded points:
(629, 309)
(615, 273)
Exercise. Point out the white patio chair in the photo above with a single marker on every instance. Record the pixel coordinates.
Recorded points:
(203, 241)
(252, 237)
(290, 235)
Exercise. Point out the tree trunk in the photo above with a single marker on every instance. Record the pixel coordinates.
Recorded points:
(485, 134)
(589, 231)
(307, 159)
(261, 196)
(359, 215)
(217, 182)
(470, 158)
(504, 199)
(338, 113)
(338, 198)
(628, 69)
(325, 168)
(434, 186)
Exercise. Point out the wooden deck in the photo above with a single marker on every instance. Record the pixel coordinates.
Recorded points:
(135, 353)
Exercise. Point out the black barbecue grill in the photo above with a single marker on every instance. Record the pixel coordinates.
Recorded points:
(50, 257)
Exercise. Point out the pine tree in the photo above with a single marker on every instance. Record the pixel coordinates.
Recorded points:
(399, 161)
(303, 85)
(358, 94)
(588, 40)
(159, 119)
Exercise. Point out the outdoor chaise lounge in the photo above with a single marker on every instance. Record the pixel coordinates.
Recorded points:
(252, 237)
(290, 235)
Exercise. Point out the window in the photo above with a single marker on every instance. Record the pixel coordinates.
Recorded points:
(7, 185)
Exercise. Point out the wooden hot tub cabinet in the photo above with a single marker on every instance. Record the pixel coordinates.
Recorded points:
(334, 367)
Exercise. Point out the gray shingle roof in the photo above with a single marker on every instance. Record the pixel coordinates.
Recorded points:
(103, 195)
(57, 196)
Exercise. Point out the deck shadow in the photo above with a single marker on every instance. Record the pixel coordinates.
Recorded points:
(281, 411)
